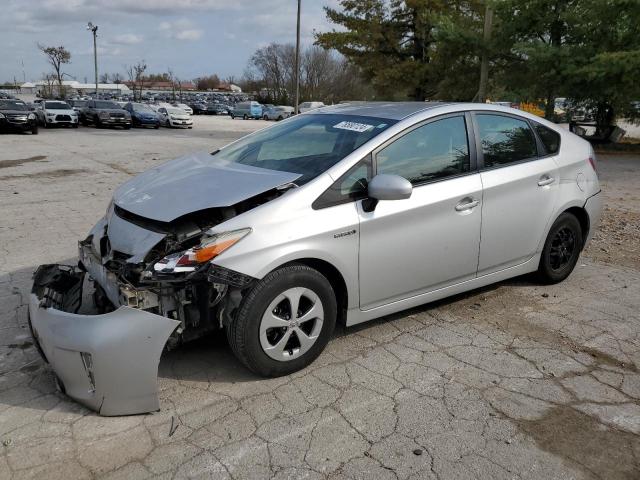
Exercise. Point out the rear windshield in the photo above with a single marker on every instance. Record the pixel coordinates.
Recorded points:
(308, 144)
(12, 105)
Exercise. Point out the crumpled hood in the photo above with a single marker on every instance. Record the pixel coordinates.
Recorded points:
(195, 182)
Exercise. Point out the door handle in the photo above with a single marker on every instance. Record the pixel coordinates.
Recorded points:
(546, 180)
(467, 204)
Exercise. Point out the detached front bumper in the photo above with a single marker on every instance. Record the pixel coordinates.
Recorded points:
(108, 362)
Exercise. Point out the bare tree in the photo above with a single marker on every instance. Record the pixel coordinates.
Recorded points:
(104, 78)
(324, 75)
(57, 57)
(136, 77)
(116, 78)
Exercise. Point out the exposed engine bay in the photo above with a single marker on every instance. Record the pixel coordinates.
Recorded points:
(148, 273)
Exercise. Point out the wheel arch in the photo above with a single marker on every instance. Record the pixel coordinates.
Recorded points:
(335, 277)
(583, 217)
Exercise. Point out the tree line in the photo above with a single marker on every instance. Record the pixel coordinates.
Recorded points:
(526, 50)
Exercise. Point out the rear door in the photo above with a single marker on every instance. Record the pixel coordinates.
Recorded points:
(520, 190)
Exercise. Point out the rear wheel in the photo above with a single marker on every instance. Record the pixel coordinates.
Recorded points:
(245, 117)
(284, 322)
(561, 249)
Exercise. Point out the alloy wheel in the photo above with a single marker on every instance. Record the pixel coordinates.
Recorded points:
(562, 248)
(291, 324)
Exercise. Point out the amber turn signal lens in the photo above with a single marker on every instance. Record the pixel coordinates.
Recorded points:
(208, 252)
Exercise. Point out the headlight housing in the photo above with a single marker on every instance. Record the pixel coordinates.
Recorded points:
(2, 115)
(209, 248)
(31, 116)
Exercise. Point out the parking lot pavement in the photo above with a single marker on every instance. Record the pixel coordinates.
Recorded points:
(512, 381)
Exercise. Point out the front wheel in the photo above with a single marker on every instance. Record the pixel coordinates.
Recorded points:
(34, 130)
(284, 322)
(561, 249)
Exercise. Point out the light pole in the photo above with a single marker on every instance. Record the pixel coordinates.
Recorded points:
(297, 61)
(94, 29)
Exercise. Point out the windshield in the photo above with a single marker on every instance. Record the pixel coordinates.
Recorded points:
(175, 111)
(12, 105)
(79, 103)
(141, 107)
(308, 144)
(56, 106)
(103, 104)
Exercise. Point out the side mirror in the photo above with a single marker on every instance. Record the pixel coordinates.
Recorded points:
(386, 187)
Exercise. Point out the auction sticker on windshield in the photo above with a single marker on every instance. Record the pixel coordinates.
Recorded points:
(354, 127)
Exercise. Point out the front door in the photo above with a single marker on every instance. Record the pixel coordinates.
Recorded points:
(430, 240)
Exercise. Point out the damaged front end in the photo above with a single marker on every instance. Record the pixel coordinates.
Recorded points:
(141, 285)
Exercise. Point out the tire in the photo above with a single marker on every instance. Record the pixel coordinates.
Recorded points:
(245, 117)
(265, 118)
(127, 127)
(156, 126)
(34, 130)
(561, 249)
(75, 125)
(279, 118)
(96, 122)
(247, 336)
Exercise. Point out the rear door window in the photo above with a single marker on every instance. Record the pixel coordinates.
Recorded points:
(505, 139)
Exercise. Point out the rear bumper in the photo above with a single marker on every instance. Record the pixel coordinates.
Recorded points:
(107, 362)
(593, 206)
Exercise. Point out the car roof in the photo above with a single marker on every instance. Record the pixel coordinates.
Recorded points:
(390, 110)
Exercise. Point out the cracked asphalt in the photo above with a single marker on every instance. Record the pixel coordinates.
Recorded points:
(513, 381)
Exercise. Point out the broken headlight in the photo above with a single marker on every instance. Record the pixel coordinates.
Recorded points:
(210, 247)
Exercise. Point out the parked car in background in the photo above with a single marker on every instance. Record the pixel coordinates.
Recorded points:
(142, 115)
(56, 112)
(307, 106)
(184, 107)
(175, 117)
(77, 105)
(198, 108)
(277, 113)
(216, 109)
(105, 113)
(246, 110)
(16, 116)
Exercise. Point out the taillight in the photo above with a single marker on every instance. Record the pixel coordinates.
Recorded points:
(592, 162)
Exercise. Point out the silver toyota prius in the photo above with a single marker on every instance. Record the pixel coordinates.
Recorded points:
(346, 213)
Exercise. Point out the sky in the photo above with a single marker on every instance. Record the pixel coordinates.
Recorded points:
(191, 37)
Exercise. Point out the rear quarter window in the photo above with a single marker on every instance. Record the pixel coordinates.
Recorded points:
(549, 138)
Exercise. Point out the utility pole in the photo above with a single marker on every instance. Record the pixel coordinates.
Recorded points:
(297, 61)
(94, 29)
(484, 62)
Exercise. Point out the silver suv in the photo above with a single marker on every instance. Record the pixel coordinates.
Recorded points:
(346, 213)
